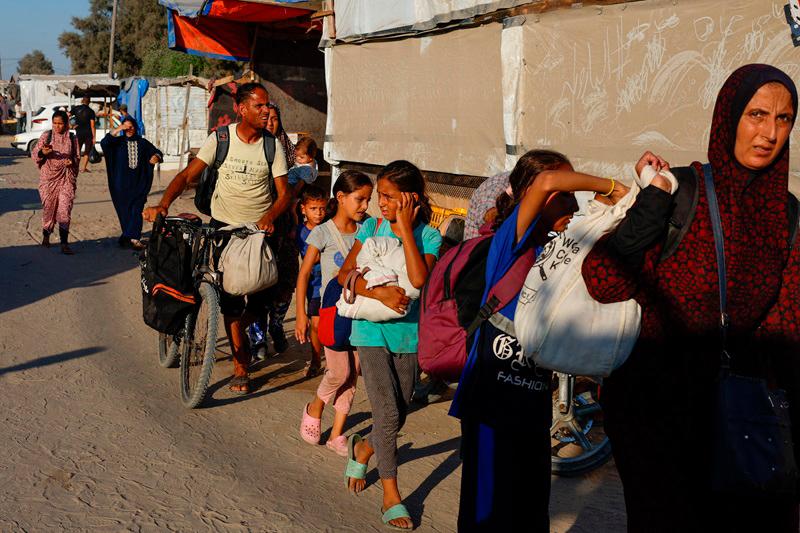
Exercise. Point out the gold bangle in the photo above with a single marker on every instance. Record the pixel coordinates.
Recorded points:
(613, 184)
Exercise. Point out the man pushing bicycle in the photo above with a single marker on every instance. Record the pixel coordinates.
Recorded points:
(243, 194)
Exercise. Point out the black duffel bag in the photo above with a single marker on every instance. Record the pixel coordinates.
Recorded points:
(168, 292)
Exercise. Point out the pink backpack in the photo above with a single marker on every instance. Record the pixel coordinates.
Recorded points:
(451, 310)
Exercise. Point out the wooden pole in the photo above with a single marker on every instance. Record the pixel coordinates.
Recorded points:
(253, 53)
(185, 125)
(158, 130)
(111, 42)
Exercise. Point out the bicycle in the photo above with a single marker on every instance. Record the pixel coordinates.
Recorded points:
(578, 442)
(169, 350)
(195, 346)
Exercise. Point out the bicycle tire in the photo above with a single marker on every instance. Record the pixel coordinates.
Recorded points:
(582, 465)
(585, 413)
(199, 347)
(169, 349)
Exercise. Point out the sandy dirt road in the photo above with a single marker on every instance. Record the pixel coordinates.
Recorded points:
(94, 437)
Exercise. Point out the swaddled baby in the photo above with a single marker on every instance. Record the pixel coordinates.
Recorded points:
(384, 263)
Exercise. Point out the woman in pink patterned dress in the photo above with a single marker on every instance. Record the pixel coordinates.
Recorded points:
(56, 155)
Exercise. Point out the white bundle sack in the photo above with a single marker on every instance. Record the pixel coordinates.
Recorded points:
(558, 324)
(384, 261)
(247, 263)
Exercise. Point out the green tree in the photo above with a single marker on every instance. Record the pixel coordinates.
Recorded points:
(140, 45)
(160, 61)
(35, 63)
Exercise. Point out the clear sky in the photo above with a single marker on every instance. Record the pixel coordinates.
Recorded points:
(31, 24)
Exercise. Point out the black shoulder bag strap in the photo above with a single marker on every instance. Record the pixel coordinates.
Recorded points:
(719, 244)
(223, 145)
(753, 449)
(269, 154)
(682, 215)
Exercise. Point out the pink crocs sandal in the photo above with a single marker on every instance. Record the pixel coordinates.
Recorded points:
(310, 427)
(338, 445)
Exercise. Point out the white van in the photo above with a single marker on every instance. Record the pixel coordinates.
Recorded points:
(42, 120)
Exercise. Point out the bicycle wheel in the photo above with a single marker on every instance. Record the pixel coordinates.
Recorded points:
(578, 442)
(169, 349)
(199, 347)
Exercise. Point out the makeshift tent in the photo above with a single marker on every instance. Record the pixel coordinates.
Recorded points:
(361, 19)
(37, 90)
(163, 108)
(226, 29)
(599, 83)
(92, 89)
(279, 38)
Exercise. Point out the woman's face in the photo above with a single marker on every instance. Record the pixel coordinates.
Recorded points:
(764, 127)
(558, 211)
(272, 121)
(58, 125)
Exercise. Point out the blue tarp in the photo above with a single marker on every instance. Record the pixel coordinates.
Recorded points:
(131, 92)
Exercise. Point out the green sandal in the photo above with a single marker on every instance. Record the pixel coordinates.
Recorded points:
(354, 469)
(393, 513)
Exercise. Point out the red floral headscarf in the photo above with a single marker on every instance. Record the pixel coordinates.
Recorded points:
(753, 204)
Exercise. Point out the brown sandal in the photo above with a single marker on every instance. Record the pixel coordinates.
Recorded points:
(240, 385)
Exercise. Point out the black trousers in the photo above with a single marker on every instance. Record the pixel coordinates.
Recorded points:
(505, 478)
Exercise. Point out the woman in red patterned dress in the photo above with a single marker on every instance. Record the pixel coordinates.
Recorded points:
(56, 155)
(659, 405)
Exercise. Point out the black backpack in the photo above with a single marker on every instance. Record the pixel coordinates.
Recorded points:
(71, 139)
(685, 205)
(208, 179)
(168, 292)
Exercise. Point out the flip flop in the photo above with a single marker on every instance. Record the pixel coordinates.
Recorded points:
(354, 469)
(393, 513)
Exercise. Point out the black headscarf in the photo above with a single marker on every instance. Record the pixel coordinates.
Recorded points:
(283, 137)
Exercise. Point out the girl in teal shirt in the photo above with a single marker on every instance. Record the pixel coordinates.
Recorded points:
(388, 350)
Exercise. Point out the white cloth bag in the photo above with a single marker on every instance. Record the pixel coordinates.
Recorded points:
(247, 263)
(558, 324)
(384, 260)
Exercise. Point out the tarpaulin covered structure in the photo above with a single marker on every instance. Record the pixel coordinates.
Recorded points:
(165, 106)
(226, 29)
(601, 83)
(279, 39)
(37, 90)
(363, 19)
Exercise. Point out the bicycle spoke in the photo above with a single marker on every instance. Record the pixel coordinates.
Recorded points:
(580, 436)
(583, 411)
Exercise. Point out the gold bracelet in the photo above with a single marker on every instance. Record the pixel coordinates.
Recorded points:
(613, 184)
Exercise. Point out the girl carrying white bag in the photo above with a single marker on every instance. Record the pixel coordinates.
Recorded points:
(558, 324)
(381, 261)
